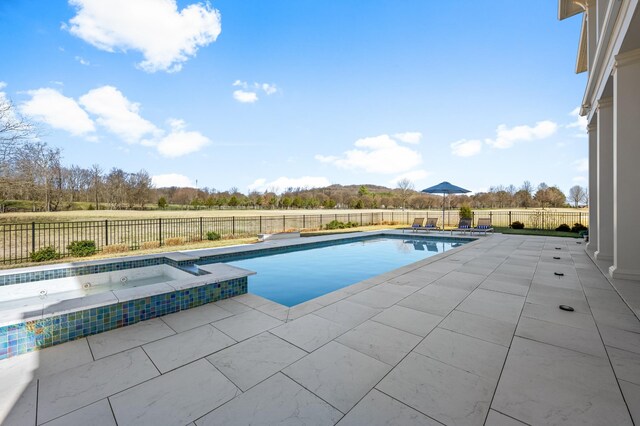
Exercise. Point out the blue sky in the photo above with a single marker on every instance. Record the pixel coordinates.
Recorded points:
(258, 95)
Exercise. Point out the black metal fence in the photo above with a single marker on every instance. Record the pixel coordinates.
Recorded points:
(18, 241)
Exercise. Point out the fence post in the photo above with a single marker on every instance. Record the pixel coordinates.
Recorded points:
(510, 218)
(361, 219)
(304, 221)
(284, 222)
(33, 237)
(106, 232)
(233, 225)
(200, 227)
(580, 218)
(491, 217)
(160, 230)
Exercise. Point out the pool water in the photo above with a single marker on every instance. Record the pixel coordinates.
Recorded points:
(297, 276)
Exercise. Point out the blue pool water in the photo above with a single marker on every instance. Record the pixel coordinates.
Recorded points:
(297, 276)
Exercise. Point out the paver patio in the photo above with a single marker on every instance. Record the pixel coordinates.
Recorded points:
(473, 336)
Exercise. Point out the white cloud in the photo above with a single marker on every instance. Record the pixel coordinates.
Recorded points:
(181, 142)
(82, 61)
(117, 114)
(409, 137)
(248, 93)
(282, 183)
(581, 165)
(580, 122)
(579, 179)
(171, 179)
(269, 89)
(245, 97)
(58, 111)
(506, 137)
(466, 148)
(114, 112)
(413, 176)
(379, 154)
(166, 36)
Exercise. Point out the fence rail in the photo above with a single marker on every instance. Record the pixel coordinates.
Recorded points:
(18, 241)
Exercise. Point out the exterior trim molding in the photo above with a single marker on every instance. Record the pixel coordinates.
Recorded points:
(605, 102)
(592, 127)
(627, 58)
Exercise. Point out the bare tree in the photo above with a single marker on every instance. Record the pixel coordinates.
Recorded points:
(96, 183)
(527, 186)
(14, 129)
(406, 188)
(577, 195)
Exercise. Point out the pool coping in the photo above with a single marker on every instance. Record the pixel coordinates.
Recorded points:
(288, 313)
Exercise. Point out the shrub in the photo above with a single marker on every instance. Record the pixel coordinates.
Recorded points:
(466, 213)
(336, 224)
(91, 207)
(150, 245)
(82, 248)
(577, 227)
(115, 248)
(564, 228)
(162, 202)
(44, 254)
(174, 241)
(517, 225)
(213, 236)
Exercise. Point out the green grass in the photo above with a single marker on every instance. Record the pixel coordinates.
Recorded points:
(539, 232)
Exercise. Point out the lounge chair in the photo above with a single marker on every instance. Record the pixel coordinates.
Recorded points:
(432, 223)
(417, 224)
(463, 226)
(484, 225)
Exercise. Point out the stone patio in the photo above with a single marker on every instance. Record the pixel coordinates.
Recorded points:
(473, 336)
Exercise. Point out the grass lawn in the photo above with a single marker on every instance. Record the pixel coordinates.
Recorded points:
(539, 232)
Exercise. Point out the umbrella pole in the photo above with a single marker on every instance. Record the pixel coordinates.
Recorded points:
(444, 197)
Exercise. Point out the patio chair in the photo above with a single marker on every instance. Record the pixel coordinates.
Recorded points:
(432, 223)
(417, 224)
(484, 225)
(463, 226)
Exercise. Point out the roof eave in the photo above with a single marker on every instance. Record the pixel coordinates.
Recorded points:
(569, 8)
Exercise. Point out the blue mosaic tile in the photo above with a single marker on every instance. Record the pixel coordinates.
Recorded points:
(17, 339)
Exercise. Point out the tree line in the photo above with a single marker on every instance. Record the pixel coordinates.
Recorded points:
(32, 171)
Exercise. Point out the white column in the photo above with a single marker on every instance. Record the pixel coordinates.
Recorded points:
(592, 245)
(605, 180)
(626, 169)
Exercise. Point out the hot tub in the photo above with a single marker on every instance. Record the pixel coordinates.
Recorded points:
(41, 307)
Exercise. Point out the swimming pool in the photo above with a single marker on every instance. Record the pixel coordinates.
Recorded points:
(297, 276)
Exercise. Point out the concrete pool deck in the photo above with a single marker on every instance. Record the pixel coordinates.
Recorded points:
(469, 337)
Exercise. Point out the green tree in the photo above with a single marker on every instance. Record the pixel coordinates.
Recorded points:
(285, 202)
(233, 201)
(363, 191)
(162, 202)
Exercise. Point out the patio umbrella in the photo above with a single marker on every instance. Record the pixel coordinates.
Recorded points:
(445, 188)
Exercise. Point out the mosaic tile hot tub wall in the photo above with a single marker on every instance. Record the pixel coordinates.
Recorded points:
(17, 339)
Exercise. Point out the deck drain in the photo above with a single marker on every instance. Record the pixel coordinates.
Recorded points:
(558, 248)
(556, 257)
(124, 280)
(86, 286)
(560, 274)
(566, 308)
